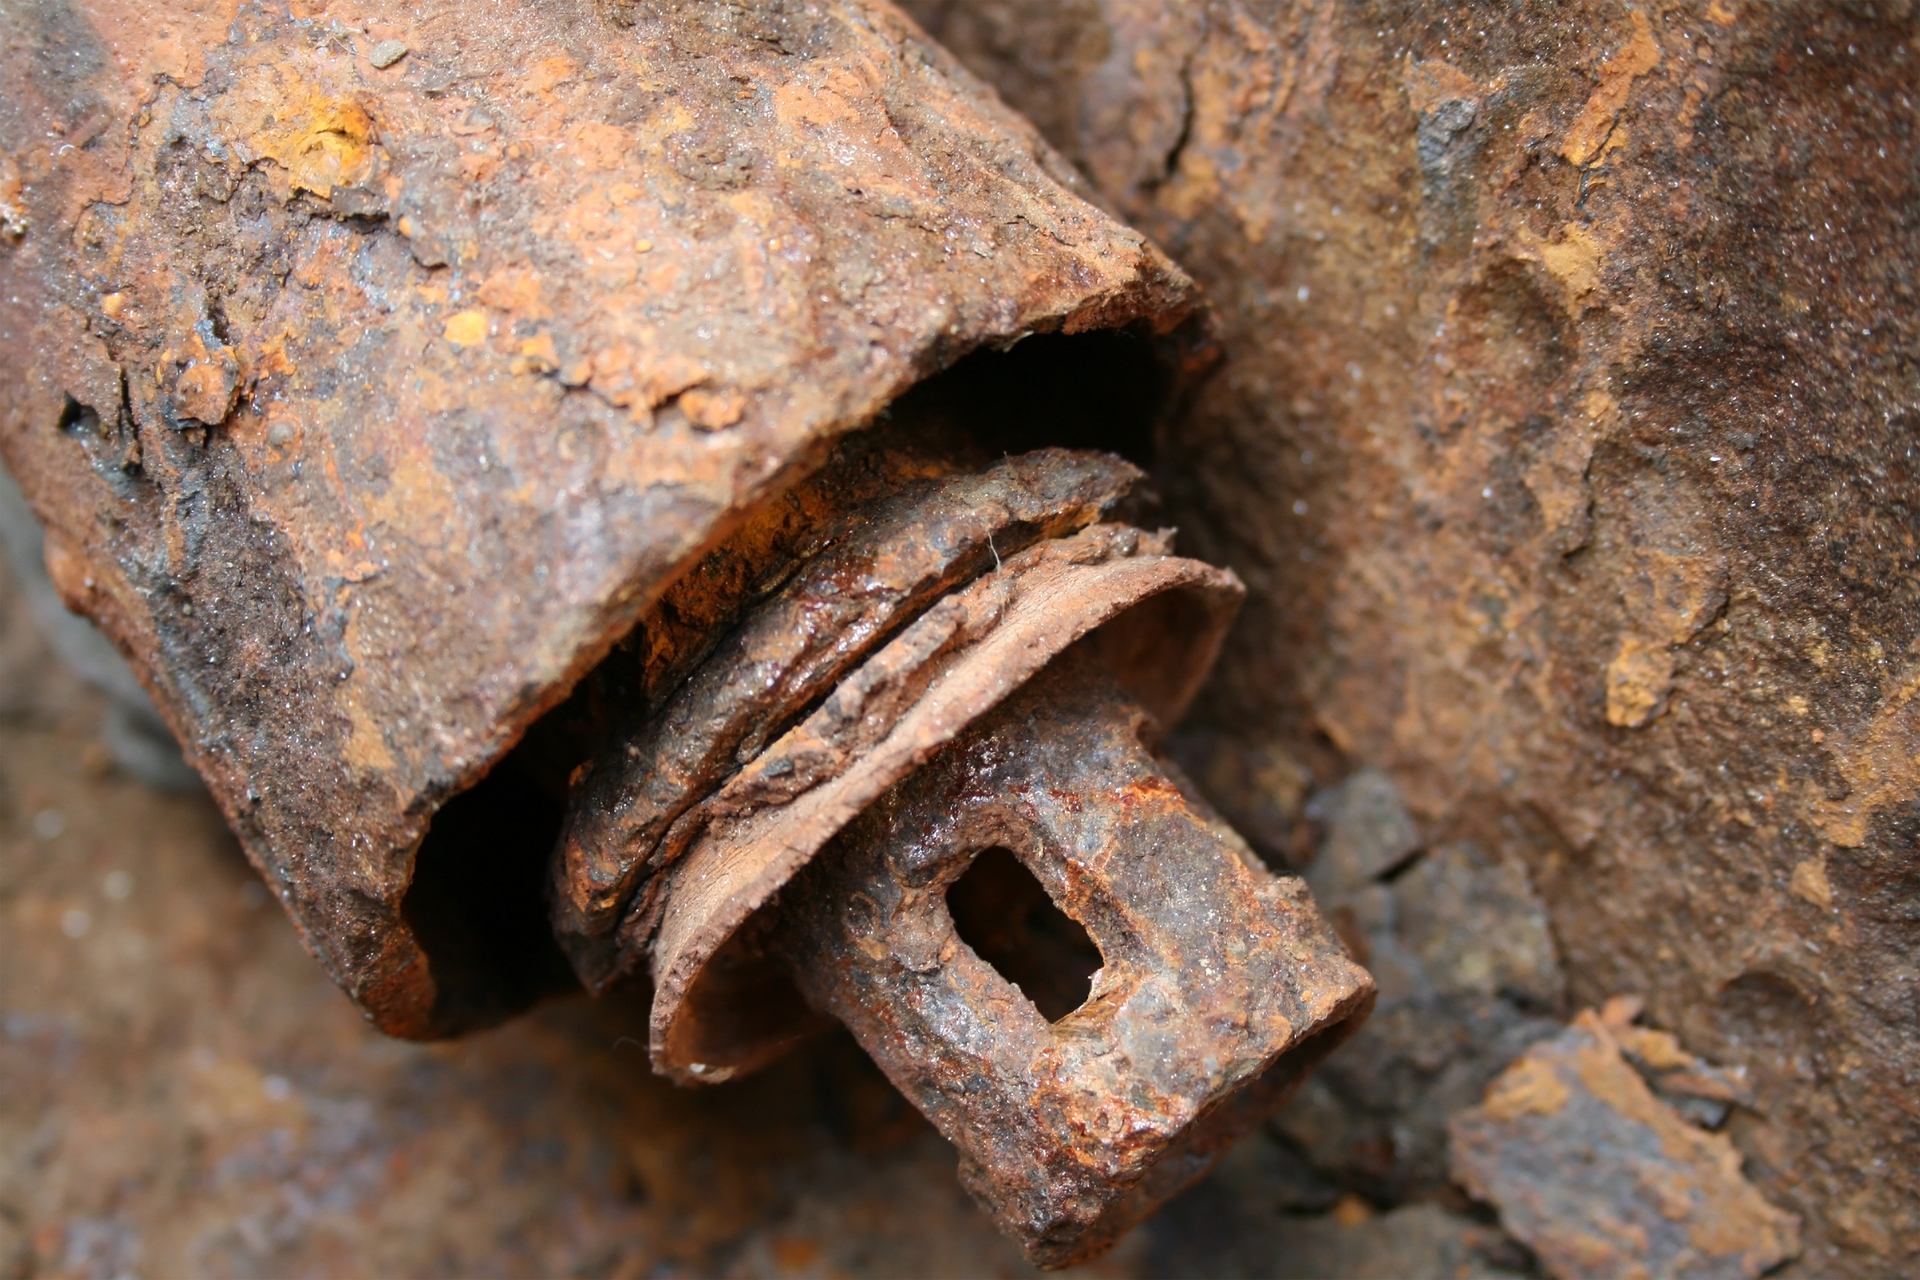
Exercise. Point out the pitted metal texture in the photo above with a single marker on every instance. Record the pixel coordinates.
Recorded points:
(1219, 986)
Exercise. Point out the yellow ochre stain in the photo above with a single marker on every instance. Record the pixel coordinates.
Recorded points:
(1625, 65)
(321, 140)
(466, 328)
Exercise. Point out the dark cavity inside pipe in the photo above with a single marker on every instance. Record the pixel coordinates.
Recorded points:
(477, 900)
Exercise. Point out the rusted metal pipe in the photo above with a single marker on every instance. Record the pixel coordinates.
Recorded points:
(792, 810)
(369, 406)
(1218, 984)
(502, 441)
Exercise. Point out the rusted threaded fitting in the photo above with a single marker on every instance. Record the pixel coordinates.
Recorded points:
(1218, 985)
(974, 661)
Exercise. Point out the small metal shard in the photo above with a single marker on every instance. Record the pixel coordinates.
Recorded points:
(386, 53)
(1600, 1177)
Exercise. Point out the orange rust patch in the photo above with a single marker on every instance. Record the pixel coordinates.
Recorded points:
(713, 409)
(204, 392)
(516, 291)
(1810, 883)
(640, 379)
(319, 139)
(1637, 680)
(466, 328)
(1669, 597)
(1881, 762)
(549, 73)
(13, 214)
(794, 1254)
(1435, 81)
(536, 355)
(1350, 1210)
(1572, 258)
(1612, 1207)
(1530, 1086)
(1637, 57)
(598, 147)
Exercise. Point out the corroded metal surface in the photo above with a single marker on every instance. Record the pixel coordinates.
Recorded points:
(391, 385)
(882, 564)
(1219, 986)
(1149, 614)
(369, 401)
(894, 634)
(187, 1095)
(1567, 447)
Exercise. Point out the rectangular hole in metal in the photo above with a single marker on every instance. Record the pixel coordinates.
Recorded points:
(1004, 914)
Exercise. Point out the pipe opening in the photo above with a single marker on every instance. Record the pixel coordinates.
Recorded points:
(477, 904)
(1002, 912)
(1108, 389)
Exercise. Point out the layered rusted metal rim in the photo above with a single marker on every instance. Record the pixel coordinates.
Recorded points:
(1155, 619)
(878, 561)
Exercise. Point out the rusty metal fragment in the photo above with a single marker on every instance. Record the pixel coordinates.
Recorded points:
(1600, 1177)
(854, 663)
(882, 565)
(1218, 985)
(1699, 1090)
(888, 718)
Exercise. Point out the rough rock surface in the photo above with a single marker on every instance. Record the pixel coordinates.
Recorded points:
(1566, 442)
(1460, 946)
(1603, 1179)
